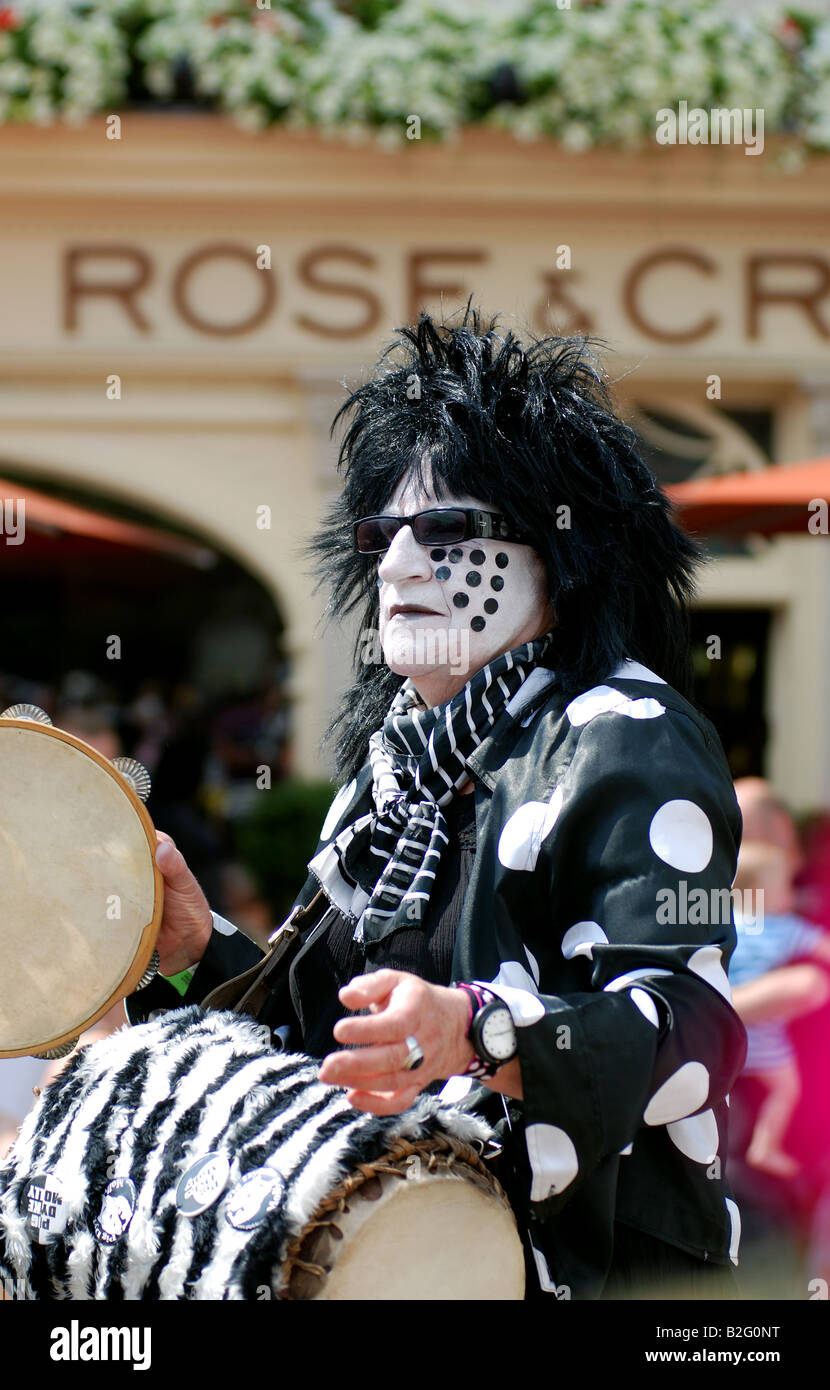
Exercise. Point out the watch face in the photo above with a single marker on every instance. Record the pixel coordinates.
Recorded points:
(498, 1033)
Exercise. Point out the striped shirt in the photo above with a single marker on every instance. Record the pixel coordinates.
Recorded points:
(782, 938)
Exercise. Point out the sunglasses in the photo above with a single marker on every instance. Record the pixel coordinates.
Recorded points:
(438, 526)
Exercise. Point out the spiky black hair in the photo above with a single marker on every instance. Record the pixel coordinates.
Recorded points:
(531, 430)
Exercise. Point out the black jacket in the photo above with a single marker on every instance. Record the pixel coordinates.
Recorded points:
(599, 909)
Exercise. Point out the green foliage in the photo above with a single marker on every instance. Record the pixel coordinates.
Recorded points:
(583, 73)
(279, 837)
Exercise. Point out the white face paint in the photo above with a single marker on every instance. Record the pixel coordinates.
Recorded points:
(469, 602)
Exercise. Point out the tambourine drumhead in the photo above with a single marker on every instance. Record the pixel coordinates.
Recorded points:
(82, 897)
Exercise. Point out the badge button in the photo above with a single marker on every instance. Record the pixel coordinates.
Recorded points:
(117, 1208)
(204, 1181)
(253, 1198)
(46, 1209)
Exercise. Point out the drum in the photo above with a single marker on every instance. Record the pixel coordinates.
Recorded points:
(187, 1158)
(82, 897)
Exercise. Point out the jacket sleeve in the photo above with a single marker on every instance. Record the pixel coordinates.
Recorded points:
(631, 1024)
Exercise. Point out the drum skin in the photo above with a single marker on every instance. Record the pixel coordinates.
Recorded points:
(427, 1222)
(82, 897)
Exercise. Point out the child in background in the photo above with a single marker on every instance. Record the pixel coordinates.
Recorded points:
(771, 936)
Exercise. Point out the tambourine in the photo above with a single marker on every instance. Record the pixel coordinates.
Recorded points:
(81, 895)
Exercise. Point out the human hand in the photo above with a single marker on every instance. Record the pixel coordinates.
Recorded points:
(402, 1005)
(186, 922)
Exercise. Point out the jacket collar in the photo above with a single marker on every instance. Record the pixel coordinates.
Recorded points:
(487, 760)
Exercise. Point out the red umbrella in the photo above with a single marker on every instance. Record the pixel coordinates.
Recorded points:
(50, 516)
(764, 501)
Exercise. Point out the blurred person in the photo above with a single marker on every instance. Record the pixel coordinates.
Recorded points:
(177, 797)
(18, 1077)
(766, 996)
(8, 1133)
(149, 718)
(767, 820)
(94, 726)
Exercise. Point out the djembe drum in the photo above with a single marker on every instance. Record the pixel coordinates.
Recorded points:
(189, 1158)
(82, 897)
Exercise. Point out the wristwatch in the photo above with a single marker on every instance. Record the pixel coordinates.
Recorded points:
(490, 1030)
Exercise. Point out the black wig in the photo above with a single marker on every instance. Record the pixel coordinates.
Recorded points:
(531, 430)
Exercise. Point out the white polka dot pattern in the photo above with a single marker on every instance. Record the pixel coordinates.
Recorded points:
(553, 1160)
(455, 1089)
(581, 938)
(533, 963)
(684, 1092)
(337, 808)
(521, 839)
(647, 972)
(706, 962)
(604, 700)
(517, 988)
(222, 925)
(696, 1136)
(646, 1005)
(735, 1222)
(680, 834)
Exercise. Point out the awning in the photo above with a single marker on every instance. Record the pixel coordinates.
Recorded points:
(47, 515)
(763, 501)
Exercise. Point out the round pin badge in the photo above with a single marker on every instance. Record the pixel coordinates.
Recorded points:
(116, 1211)
(204, 1181)
(253, 1197)
(46, 1209)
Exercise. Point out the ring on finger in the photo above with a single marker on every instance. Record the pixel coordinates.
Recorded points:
(414, 1056)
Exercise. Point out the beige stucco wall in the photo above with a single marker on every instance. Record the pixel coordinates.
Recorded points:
(211, 426)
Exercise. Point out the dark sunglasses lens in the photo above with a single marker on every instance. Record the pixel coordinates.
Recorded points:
(440, 528)
(376, 533)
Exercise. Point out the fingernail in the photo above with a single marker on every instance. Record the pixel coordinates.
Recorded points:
(164, 854)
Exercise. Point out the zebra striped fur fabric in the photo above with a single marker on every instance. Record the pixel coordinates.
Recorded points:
(134, 1113)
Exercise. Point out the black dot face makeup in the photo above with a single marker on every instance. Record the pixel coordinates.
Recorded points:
(473, 578)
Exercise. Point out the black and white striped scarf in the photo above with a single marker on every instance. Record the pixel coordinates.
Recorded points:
(419, 760)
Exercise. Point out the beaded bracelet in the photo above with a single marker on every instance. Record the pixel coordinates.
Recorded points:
(479, 998)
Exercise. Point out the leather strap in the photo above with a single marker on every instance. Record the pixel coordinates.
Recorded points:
(248, 992)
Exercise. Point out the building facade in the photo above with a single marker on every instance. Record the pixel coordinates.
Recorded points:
(182, 304)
